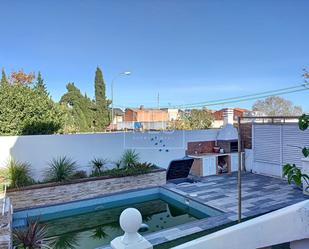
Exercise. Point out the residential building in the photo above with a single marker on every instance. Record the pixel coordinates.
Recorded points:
(145, 115)
(118, 115)
(173, 114)
(219, 116)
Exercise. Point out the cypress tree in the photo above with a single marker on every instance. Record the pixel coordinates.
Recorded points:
(101, 102)
(4, 79)
(40, 85)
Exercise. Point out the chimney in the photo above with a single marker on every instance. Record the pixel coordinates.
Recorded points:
(228, 116)
(141, 107)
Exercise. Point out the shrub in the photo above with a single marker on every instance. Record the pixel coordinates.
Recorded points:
(61, 169)
(139, 168)
(98, 165)
(130, 158)
(80, 174)
(25, 110)
(18, 174)
(31, 237)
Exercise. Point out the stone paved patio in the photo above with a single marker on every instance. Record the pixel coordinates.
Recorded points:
(260, 194)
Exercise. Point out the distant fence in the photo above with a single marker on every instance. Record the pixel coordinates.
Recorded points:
(133, 125)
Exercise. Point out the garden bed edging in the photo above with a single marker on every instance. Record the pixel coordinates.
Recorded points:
(52, 193)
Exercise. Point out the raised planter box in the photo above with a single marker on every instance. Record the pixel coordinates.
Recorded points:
(56, 193)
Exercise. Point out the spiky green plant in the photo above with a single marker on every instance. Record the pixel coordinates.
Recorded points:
(130, 158)
(97, 165)
(61, 169)
(18, 174)
(33, 236)
(118, 164)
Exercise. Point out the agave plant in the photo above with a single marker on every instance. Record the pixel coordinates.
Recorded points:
(34, 236)
(98, 165)
(130, 158)
(19, 174)
(118, 164)
(61, 169)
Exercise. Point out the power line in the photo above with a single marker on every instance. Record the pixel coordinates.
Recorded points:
(247, 99)
(242, 98)
(271, 92)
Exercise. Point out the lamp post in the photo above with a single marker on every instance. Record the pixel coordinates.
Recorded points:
(126, 73)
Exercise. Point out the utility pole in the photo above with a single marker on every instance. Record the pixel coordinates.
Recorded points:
(112, 92)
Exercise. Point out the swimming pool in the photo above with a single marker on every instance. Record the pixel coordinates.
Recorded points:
(93, 223)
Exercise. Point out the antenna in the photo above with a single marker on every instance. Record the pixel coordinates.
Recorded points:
(158, 100)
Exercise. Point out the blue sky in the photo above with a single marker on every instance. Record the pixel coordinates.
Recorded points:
(187, 50)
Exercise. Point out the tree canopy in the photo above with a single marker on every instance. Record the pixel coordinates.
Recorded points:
(80, 110)
(24, 110)
(82, 113)
(195, 119)
(276, 106)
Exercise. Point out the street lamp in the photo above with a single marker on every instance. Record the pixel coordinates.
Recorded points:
(126, 73)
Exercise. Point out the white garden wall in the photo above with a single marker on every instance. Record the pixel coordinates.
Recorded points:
(155, 147)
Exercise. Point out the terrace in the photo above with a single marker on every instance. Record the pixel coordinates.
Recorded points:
(173, 213)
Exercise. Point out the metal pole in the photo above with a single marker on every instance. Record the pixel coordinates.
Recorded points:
(239, 171)
(112, 93)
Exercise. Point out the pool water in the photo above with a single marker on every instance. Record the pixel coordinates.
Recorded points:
(94, 222)
(98, 228)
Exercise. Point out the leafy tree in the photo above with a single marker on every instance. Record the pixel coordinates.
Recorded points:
(24, 110)
(276, 106)
(102, 119)
(80, 110)
(22, 78)
(194, 119)
(4, 79)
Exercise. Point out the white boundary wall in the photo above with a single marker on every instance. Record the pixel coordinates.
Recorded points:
(290, 224)
(155, 147)
(274, 145)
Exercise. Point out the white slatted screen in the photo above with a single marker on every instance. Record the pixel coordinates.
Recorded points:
(275, 145)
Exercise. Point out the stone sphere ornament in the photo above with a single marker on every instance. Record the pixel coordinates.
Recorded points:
(130, 220)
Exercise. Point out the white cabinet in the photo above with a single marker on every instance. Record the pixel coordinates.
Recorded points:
(209, 165)
(234, 161)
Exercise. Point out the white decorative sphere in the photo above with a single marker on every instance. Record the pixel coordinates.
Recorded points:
(130, 220)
